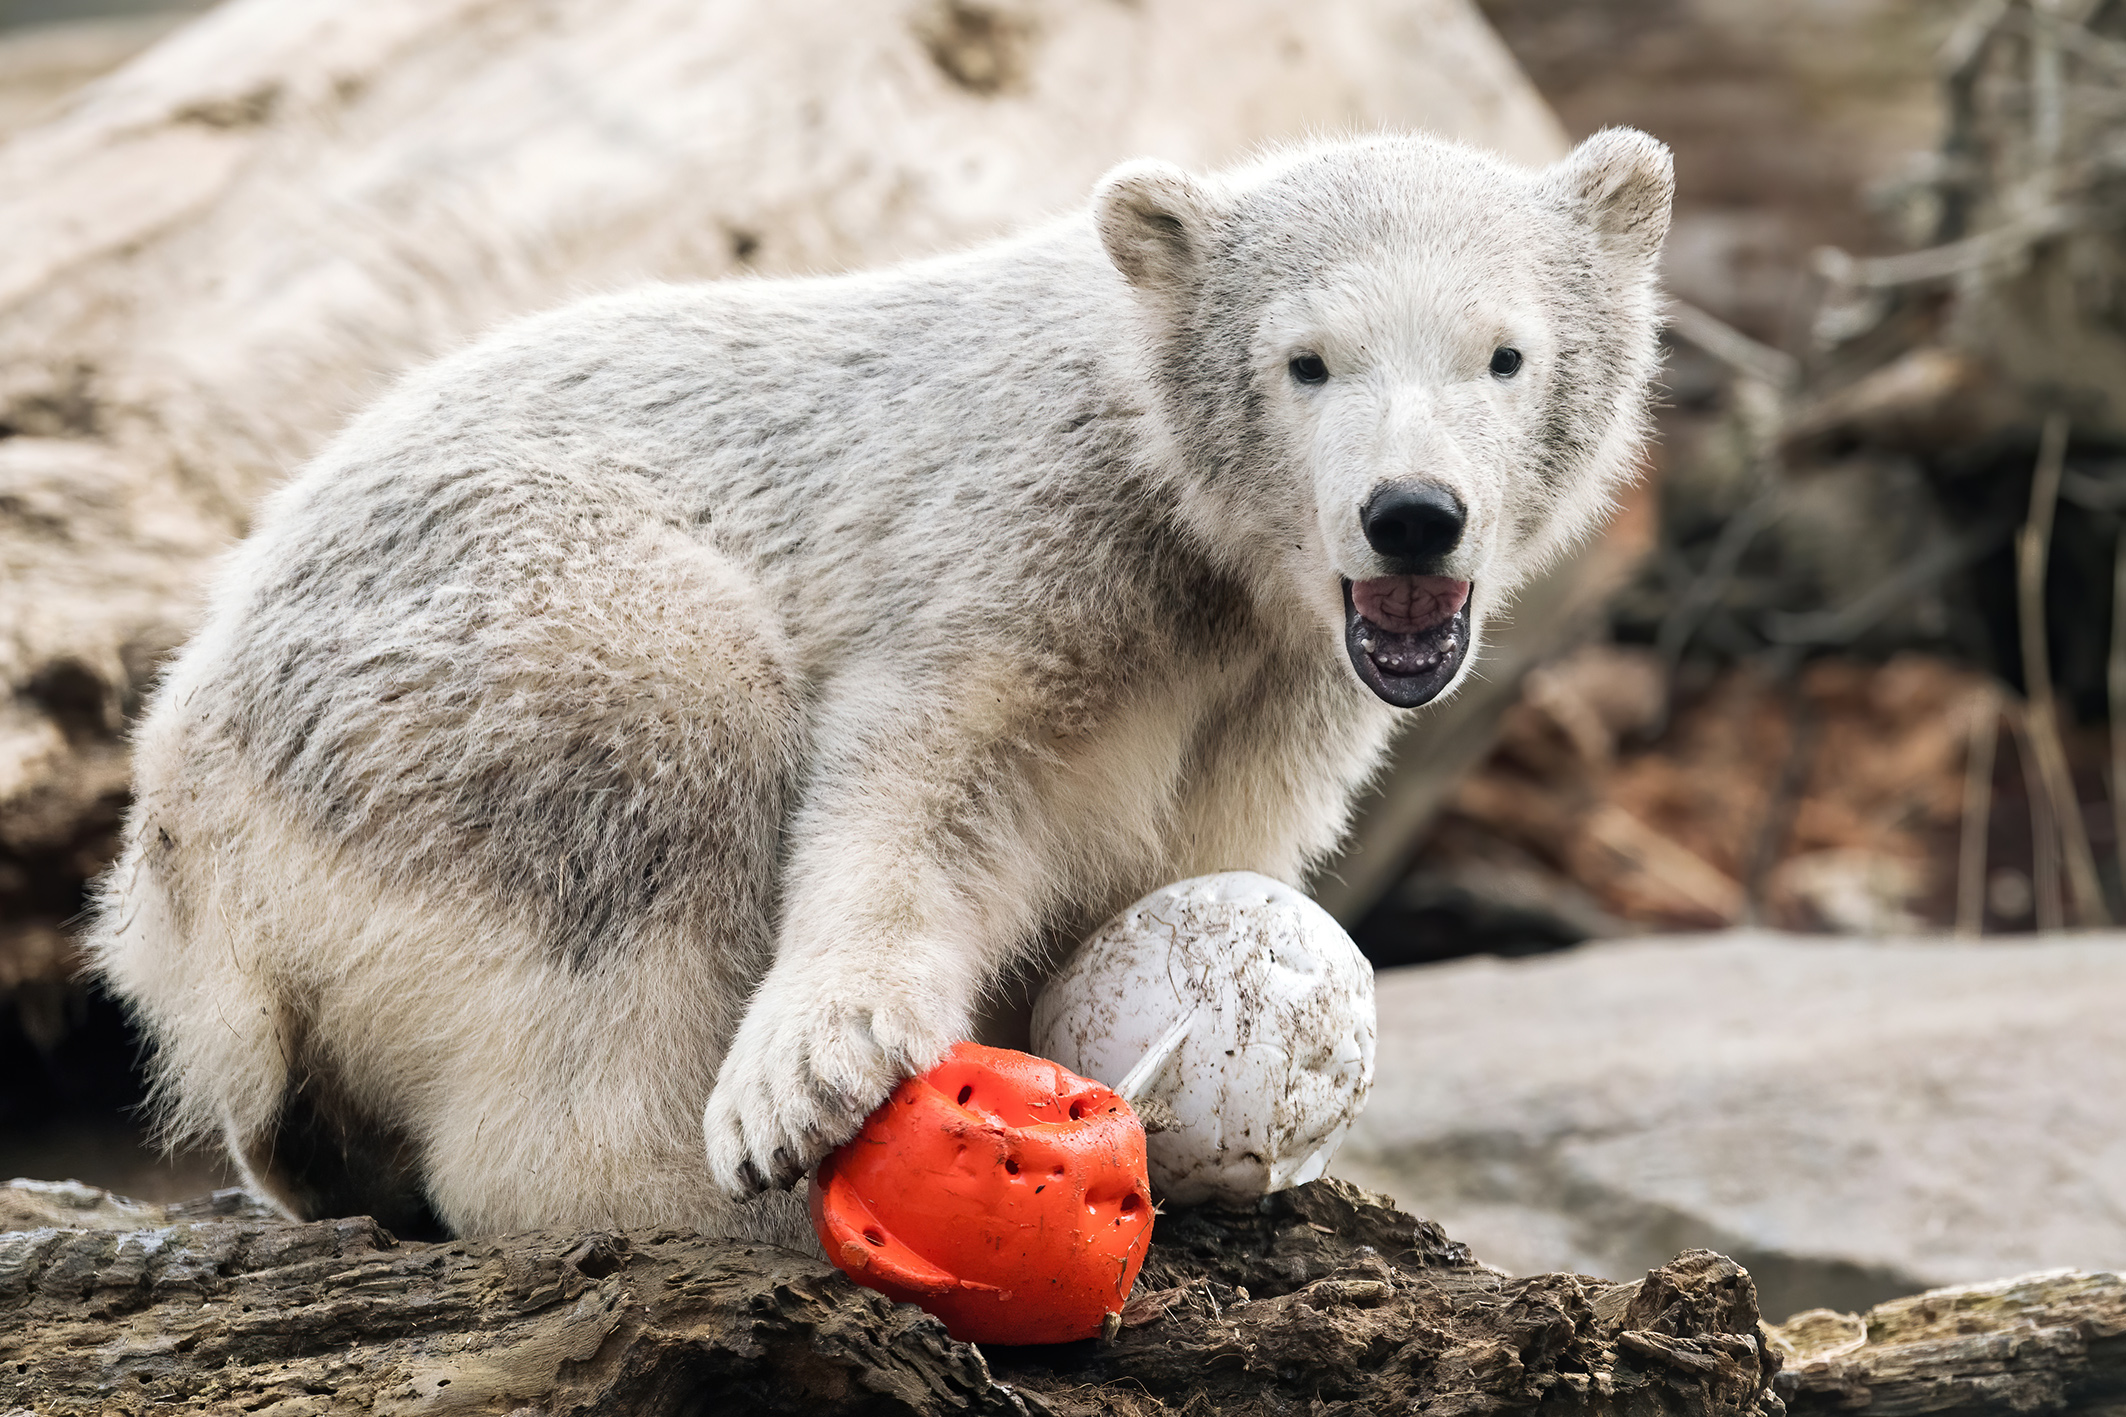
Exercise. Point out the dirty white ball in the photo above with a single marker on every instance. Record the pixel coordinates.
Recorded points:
(1240, 1005)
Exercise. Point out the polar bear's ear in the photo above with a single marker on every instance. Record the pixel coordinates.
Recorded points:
(1622, 183)
(1154, 220)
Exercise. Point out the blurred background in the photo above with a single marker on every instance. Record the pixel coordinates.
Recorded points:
(1758, 895)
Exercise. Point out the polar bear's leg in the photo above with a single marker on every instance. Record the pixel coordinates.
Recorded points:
(169, 944)
(490, 962)
(923, 857)
(596, 1120)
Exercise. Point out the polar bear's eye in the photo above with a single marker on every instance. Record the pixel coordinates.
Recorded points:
(1308, 369)
(1505, 362)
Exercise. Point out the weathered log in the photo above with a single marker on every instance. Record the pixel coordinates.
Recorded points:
(217, 252)
(41, 64)
(1322, 1299)
(2042, 1343)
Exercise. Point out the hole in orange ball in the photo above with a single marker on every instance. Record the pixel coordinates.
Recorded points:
(1130, 1203)
(1011, 1168)
(965, 1093)
(875, 1235)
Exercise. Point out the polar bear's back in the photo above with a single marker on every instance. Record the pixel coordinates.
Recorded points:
(879, 425)
(536, 615)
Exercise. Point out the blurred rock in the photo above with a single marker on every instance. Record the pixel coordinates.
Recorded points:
(1850, 1120)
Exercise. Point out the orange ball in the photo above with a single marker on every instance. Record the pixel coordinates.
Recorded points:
(998, 1191)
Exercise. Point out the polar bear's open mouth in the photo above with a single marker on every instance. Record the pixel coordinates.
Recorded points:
(1407, 635)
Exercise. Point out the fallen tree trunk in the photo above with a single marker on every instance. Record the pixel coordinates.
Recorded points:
(217, 253)
(1322, 1299)
(1319, 1295)
(2043, 1343)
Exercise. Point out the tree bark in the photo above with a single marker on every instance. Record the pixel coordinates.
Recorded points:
(2040, 1344)
(1323, 1300)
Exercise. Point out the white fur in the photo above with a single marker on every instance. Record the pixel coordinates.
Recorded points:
(705, 694)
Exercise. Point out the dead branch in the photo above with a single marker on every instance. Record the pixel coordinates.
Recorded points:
(2043, 1343)
(1321, 1299)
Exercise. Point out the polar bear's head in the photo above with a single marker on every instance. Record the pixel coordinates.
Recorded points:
(1403, 374)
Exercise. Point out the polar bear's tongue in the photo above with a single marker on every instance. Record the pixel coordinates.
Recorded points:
(1409, 605)
(1407, 635)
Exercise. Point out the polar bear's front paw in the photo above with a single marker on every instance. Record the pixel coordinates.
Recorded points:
(799, 1080)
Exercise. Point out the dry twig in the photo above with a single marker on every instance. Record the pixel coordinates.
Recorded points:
(2115, 694)
(1748, 357)
(1978, 814)
(2033, 547)
(2044, 824)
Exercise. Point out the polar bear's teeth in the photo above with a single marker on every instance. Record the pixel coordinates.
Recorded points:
(1406, 655)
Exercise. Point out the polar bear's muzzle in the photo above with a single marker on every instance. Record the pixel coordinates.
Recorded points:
(1407, 635)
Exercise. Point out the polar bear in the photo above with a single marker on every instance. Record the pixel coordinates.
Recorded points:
(700, 696)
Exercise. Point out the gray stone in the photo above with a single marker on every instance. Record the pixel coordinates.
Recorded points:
(1852, 1120)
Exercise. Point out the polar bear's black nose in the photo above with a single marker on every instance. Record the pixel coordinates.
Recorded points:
(1413, 521)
